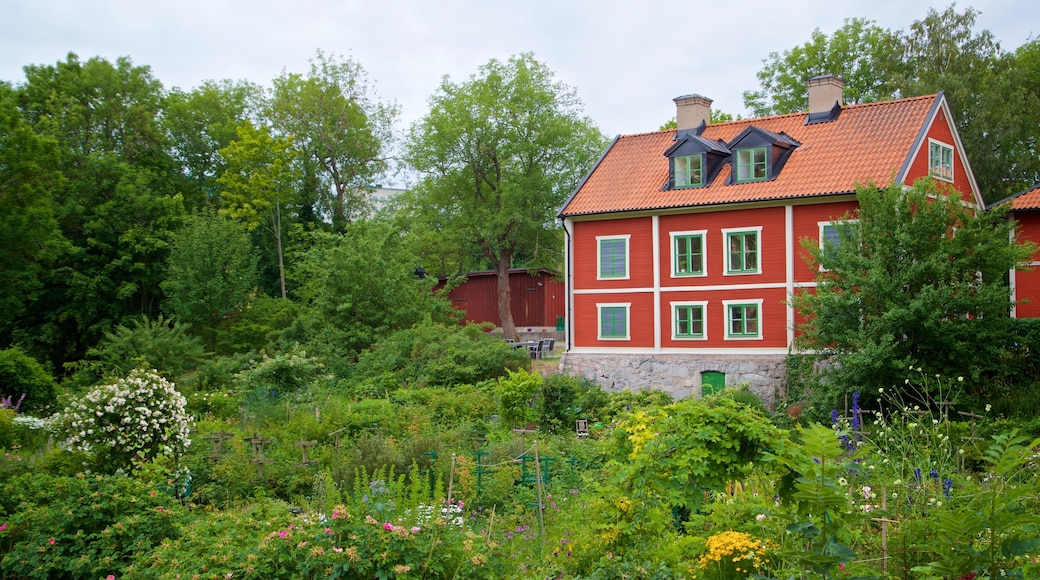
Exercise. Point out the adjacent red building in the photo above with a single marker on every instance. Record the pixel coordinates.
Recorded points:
(537, 298)
(1025, 283)
(684, 246)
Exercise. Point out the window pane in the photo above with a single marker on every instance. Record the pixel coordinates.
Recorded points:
(696, 321)
(750, 251)
(735, 252)
(751, 319)
(736, 322)
(612, 257)
(682, 171)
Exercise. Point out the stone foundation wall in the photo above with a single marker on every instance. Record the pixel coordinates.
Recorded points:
(679, 374)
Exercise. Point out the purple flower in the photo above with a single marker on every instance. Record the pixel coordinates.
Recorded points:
(834, 416)
(917, 474)
(933, 474)
(947, 487)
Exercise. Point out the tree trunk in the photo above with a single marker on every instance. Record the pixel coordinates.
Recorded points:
(278, 239)
(504, 310)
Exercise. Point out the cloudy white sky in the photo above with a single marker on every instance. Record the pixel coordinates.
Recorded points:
(626, 59)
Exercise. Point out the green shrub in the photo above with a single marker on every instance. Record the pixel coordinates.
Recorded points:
(566, 398)
(163, 344)
(82, 527)
(519, 398)
(21, 376)
(437, 355)
(273, 378)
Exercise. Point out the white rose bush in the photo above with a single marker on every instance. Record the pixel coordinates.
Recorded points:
(138, 417)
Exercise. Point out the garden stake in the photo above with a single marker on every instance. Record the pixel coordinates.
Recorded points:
(451, 477)
(258, 447)
(491, 523)
(218, 439)
(538, 479)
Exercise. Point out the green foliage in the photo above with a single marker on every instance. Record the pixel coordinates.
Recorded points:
(498, 155)
(21, 375)
(283, 375)
(357, 288)
(212, 269)
(917, 280)
(434, 355)
(672, 453)
(567, 398)
(817, 505)
(82, 527)
(519, 398)
(1000, 523)
(342, 132)
(141, 416)
(162, 344)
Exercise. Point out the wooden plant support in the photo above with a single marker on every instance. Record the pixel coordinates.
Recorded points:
(336, 434)
(303, 445)
(258, 448)
(541, 503)
(218, 439)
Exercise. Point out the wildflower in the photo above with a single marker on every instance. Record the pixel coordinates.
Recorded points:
(415, 529)
(917, 474)
(934, 474)
(988, 407)
(51, 541)
(3, 526)
(328, 530)
(388, 526)
(337, 550)
(947, 487)
(760, 517)
(282, 534)
(401, 569)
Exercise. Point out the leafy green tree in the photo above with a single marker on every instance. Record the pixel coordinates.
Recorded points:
(498, 156)
(916, 279)
(198, 125)
(117, 205)
(358, 287)
(30, 240)
(867, 57)
(211, 271)
(343, 131)
(260, 179)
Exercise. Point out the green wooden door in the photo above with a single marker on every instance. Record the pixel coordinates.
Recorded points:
(712, 382)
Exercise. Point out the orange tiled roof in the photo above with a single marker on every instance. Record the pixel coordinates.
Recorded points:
(867, 143)
(1028, 199)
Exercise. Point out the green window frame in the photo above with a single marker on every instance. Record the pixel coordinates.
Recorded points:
(688, 253)
(743, 319)
(689, 320)
(613, 321)
(612, 257)
(688, 170)
(742, 250)
(940, 160)
(752, 164)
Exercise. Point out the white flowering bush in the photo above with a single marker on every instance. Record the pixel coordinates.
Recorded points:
(141, 416)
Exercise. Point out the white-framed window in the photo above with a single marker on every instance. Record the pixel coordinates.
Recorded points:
(612, 257)
(752, 164)
(614, 320)
(940, 160)
(742, 250)
(689, 253)
(830, 238)
(690, 320)
(688, 170)
(743, 319)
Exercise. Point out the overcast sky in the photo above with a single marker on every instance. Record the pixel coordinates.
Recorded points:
(627, 59)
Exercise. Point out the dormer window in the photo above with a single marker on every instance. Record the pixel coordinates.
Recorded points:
(689, 170)
(759, 155)
(752, 164)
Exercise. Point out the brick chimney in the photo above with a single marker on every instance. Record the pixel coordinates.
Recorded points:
(691, 111)
(824, 92)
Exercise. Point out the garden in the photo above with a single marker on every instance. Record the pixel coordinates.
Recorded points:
(470, 466)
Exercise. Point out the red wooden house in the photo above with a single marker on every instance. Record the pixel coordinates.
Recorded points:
(537, 298)
(1025, 284)
(684, 246)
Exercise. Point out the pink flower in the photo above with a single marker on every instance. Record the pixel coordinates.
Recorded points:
(337, 550)
(3, 526)
(760, 517)
(388, 526)
(110, 577)
(51, 541)
(282, 534)
(328, 530)
(415, 529)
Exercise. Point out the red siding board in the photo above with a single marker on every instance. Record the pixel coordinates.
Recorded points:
(535, 300)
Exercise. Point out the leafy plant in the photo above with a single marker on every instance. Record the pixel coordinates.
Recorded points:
(519, 397)
(24, 382)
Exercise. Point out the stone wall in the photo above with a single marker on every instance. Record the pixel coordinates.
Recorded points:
(679, 374)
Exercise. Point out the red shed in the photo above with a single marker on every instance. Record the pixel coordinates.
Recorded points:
(537, 297)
